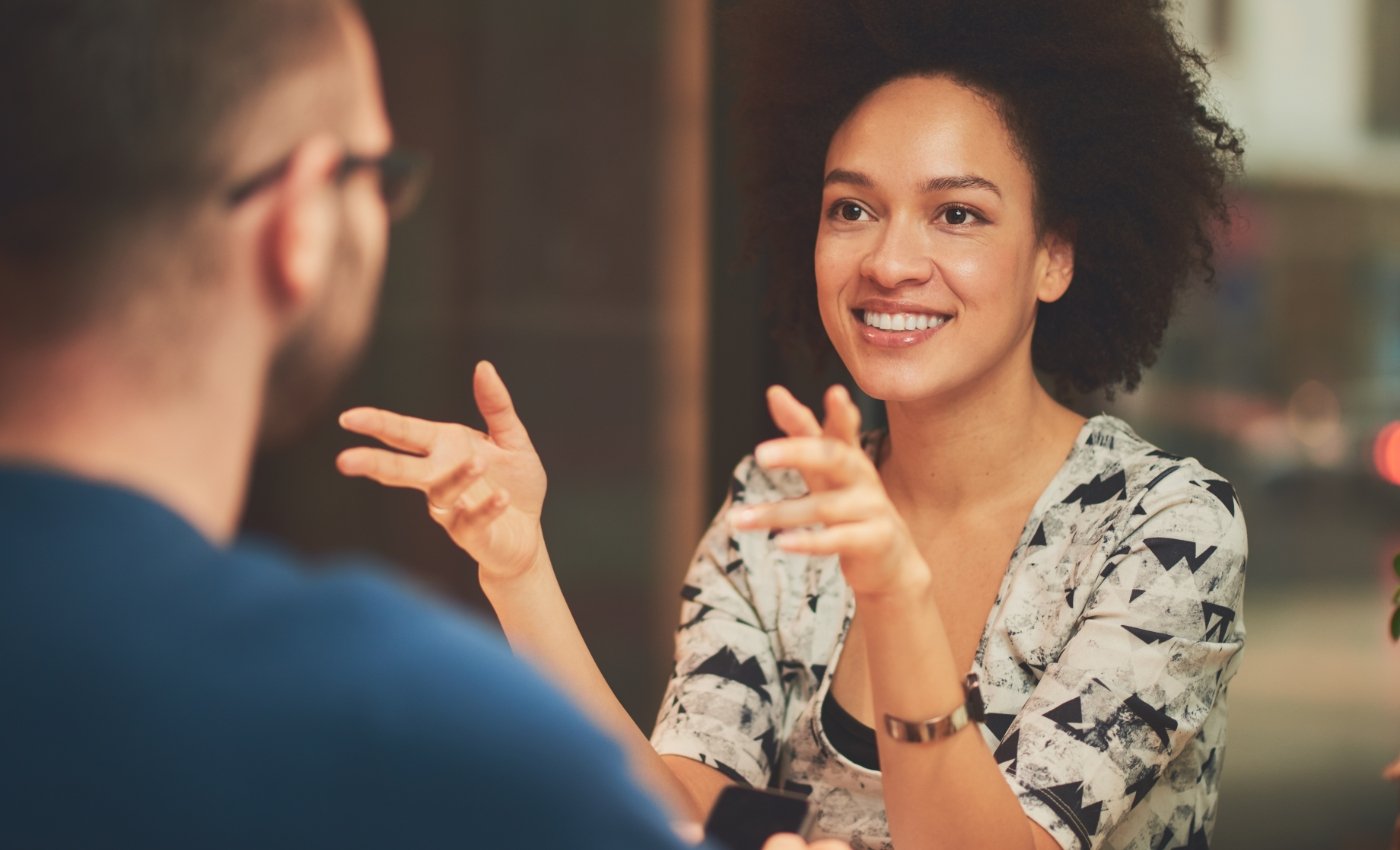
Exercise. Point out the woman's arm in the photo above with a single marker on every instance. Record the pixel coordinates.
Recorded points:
(1143, 677)
(487, 491)
(949, 794)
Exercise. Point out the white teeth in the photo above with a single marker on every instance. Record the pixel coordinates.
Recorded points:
(903, 321)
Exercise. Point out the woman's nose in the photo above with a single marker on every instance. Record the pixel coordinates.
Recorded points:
(901, 257)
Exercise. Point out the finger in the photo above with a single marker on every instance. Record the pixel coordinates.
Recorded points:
(817, 458)
(852, 538)
(450, 486)
(392, 469)
(830, 508)
(842, 416)
(785, 841)
(461, 518)
(493, 400)
(392, 429)
(790, 415)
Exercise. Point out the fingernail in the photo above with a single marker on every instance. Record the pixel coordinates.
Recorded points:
(766, 454)
(741, 516)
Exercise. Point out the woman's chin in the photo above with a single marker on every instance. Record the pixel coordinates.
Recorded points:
(897, 386)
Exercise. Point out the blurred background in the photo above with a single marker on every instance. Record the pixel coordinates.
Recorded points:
(582, 233)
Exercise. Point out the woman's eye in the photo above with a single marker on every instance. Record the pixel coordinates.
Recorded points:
(957, 215)
(847, 211)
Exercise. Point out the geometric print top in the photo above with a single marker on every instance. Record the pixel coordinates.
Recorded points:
(1105, 660)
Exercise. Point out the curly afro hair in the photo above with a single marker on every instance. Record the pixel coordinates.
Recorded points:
(1103, 100)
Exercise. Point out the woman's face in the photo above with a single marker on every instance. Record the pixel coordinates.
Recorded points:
(928, 264)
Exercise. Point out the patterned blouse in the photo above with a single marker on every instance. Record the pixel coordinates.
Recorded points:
(1105, 660)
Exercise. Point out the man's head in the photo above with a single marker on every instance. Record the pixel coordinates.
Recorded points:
(168, 165)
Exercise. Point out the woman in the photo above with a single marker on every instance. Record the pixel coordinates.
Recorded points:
(997, 189)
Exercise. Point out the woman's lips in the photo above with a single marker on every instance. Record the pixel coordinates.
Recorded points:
(898, 330)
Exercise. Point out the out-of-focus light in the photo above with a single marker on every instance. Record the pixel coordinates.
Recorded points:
(1387, 453)
(1314, 415)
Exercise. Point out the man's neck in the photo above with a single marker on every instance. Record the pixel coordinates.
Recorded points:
(103, 420)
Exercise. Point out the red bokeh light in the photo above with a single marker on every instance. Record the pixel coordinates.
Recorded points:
(1387, 453)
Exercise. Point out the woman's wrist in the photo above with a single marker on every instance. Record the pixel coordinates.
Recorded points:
(911, 582)
(498, 580)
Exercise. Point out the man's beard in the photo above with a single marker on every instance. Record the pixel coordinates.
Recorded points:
(317, 356)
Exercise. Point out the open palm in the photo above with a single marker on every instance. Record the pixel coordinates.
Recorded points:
(485, 489)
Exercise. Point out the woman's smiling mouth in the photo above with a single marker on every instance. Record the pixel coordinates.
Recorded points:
(898, 329)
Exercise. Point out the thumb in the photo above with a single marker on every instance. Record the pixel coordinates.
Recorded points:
(842, 415)
(493, 400)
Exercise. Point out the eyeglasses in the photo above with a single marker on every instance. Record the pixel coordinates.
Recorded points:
(403, 175)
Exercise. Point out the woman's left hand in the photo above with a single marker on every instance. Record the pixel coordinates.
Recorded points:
(847, 500)
(486, 489)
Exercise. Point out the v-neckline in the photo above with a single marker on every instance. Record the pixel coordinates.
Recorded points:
(873, 445)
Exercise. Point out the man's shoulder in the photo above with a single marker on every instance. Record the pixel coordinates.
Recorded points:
(266, 703)
(414, 707)
(377, 658)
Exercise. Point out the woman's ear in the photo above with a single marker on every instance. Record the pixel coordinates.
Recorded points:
(304, 223)
(1056, 267)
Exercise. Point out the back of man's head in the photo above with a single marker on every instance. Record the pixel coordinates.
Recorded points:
(121, 117)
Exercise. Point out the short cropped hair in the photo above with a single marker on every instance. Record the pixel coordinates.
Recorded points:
(1103, 99)
(113, 109)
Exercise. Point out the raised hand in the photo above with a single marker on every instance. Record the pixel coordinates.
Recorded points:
(485, 489)
(847, 511)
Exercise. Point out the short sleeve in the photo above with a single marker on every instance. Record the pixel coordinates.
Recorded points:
(1128, 705)
(724, 703)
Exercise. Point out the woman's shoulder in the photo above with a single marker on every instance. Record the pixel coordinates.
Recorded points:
(1112, 465)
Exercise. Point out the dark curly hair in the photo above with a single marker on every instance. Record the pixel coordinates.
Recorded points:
(1103, 99)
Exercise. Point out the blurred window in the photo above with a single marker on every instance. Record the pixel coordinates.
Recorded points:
(1385, 67)
(1221, 16)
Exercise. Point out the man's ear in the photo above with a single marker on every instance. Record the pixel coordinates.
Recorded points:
(1056, 267)
(304, 222)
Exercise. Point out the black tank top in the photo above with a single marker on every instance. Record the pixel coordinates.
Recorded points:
(849, 736)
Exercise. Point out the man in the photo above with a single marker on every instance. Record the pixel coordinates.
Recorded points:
(194, 200)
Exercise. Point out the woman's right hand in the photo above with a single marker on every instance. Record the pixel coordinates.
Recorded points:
(485, 489)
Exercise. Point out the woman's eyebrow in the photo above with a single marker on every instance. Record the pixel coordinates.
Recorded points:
(961, 181)
(850, 178)
(933, 184)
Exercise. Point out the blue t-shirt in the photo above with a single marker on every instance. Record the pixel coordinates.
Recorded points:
(158, 691)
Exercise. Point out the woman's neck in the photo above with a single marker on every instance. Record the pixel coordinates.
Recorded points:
(1002, 442)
